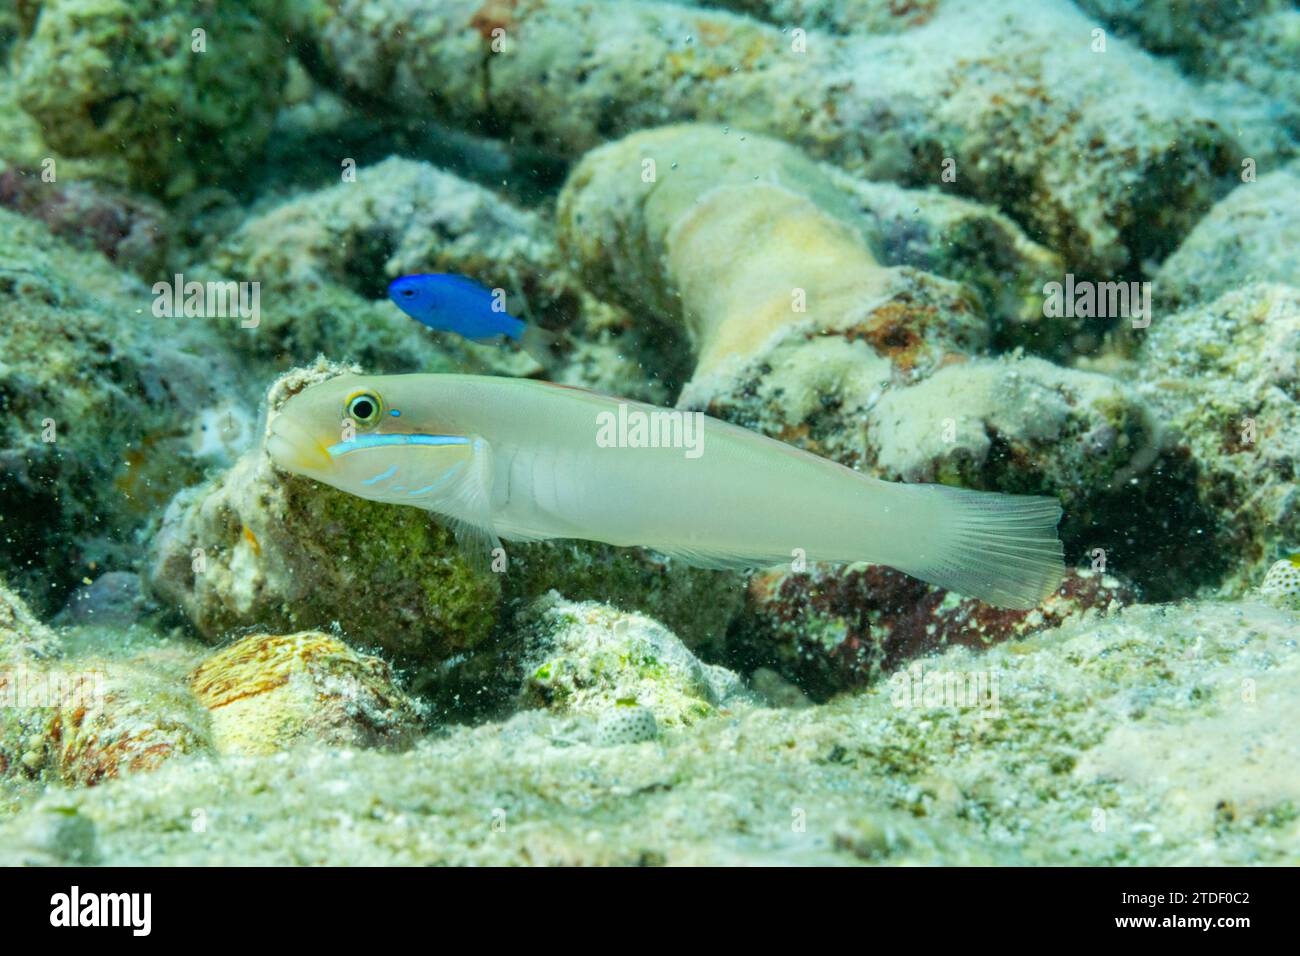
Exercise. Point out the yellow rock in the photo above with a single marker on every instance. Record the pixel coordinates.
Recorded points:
(268, 692)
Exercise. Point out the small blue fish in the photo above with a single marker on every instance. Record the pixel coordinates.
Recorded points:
(452, 303)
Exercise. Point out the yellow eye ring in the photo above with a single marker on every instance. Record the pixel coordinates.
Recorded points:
(364, 408)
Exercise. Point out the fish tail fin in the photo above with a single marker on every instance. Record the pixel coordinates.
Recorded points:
(1002, 549)
(537, 342)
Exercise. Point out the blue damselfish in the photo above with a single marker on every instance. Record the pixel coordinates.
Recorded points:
(452, 303)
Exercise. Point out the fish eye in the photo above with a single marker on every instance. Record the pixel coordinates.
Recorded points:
(408, 292)
(363, 408)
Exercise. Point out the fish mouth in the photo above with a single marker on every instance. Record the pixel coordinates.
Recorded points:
(292, 448)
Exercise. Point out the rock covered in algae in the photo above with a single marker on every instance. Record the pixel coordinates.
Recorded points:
(571, 75)
(23, 145)
(1044, 763)
(1225, 378)
(1011, 423)
(591, 659)
(99, 395)
(1178, 27)
(1253, 235)
(1025, 426)
(396, 217)
(131, 231)
(696, 604)
(816, 343)
(830, 629)
(57, 836)
(253, 548)
(184, 89)
(1251, 79)
(267, 692)
(1242, 54)
(971, 243)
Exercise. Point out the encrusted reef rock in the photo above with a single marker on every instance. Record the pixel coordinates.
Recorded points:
(880, 371)
(1253, 235)
(1243, 53)
(131, 231)
(397, 217)
(100, 397)
(1225, 378)
(838, 16)
(971, 243)
(102, 702)
(324, 260)
(696, 604)
(256, 549)
(1012, 93)
(187, 90)
(831, 629)
(266, 693)
(22, 635)
(1015, 424)
(1151, 736)
(80, 720)
(705, 241)
(758, 257)
(1020, 425)
(590, 659)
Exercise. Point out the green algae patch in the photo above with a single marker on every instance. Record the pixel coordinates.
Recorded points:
(158, 83)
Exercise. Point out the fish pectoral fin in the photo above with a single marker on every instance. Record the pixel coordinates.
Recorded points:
(472, 520)
(479, 545)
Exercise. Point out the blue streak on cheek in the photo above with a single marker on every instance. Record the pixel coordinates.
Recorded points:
(441, 481)
(392, 470)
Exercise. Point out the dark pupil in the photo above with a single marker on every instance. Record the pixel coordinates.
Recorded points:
(408, 292)
(362, 408)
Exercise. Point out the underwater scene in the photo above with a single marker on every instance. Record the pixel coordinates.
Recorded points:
(649, 432)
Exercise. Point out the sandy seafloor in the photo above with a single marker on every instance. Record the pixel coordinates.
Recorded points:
(835, 222)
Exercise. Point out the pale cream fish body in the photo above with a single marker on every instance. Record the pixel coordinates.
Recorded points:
(520, 460)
